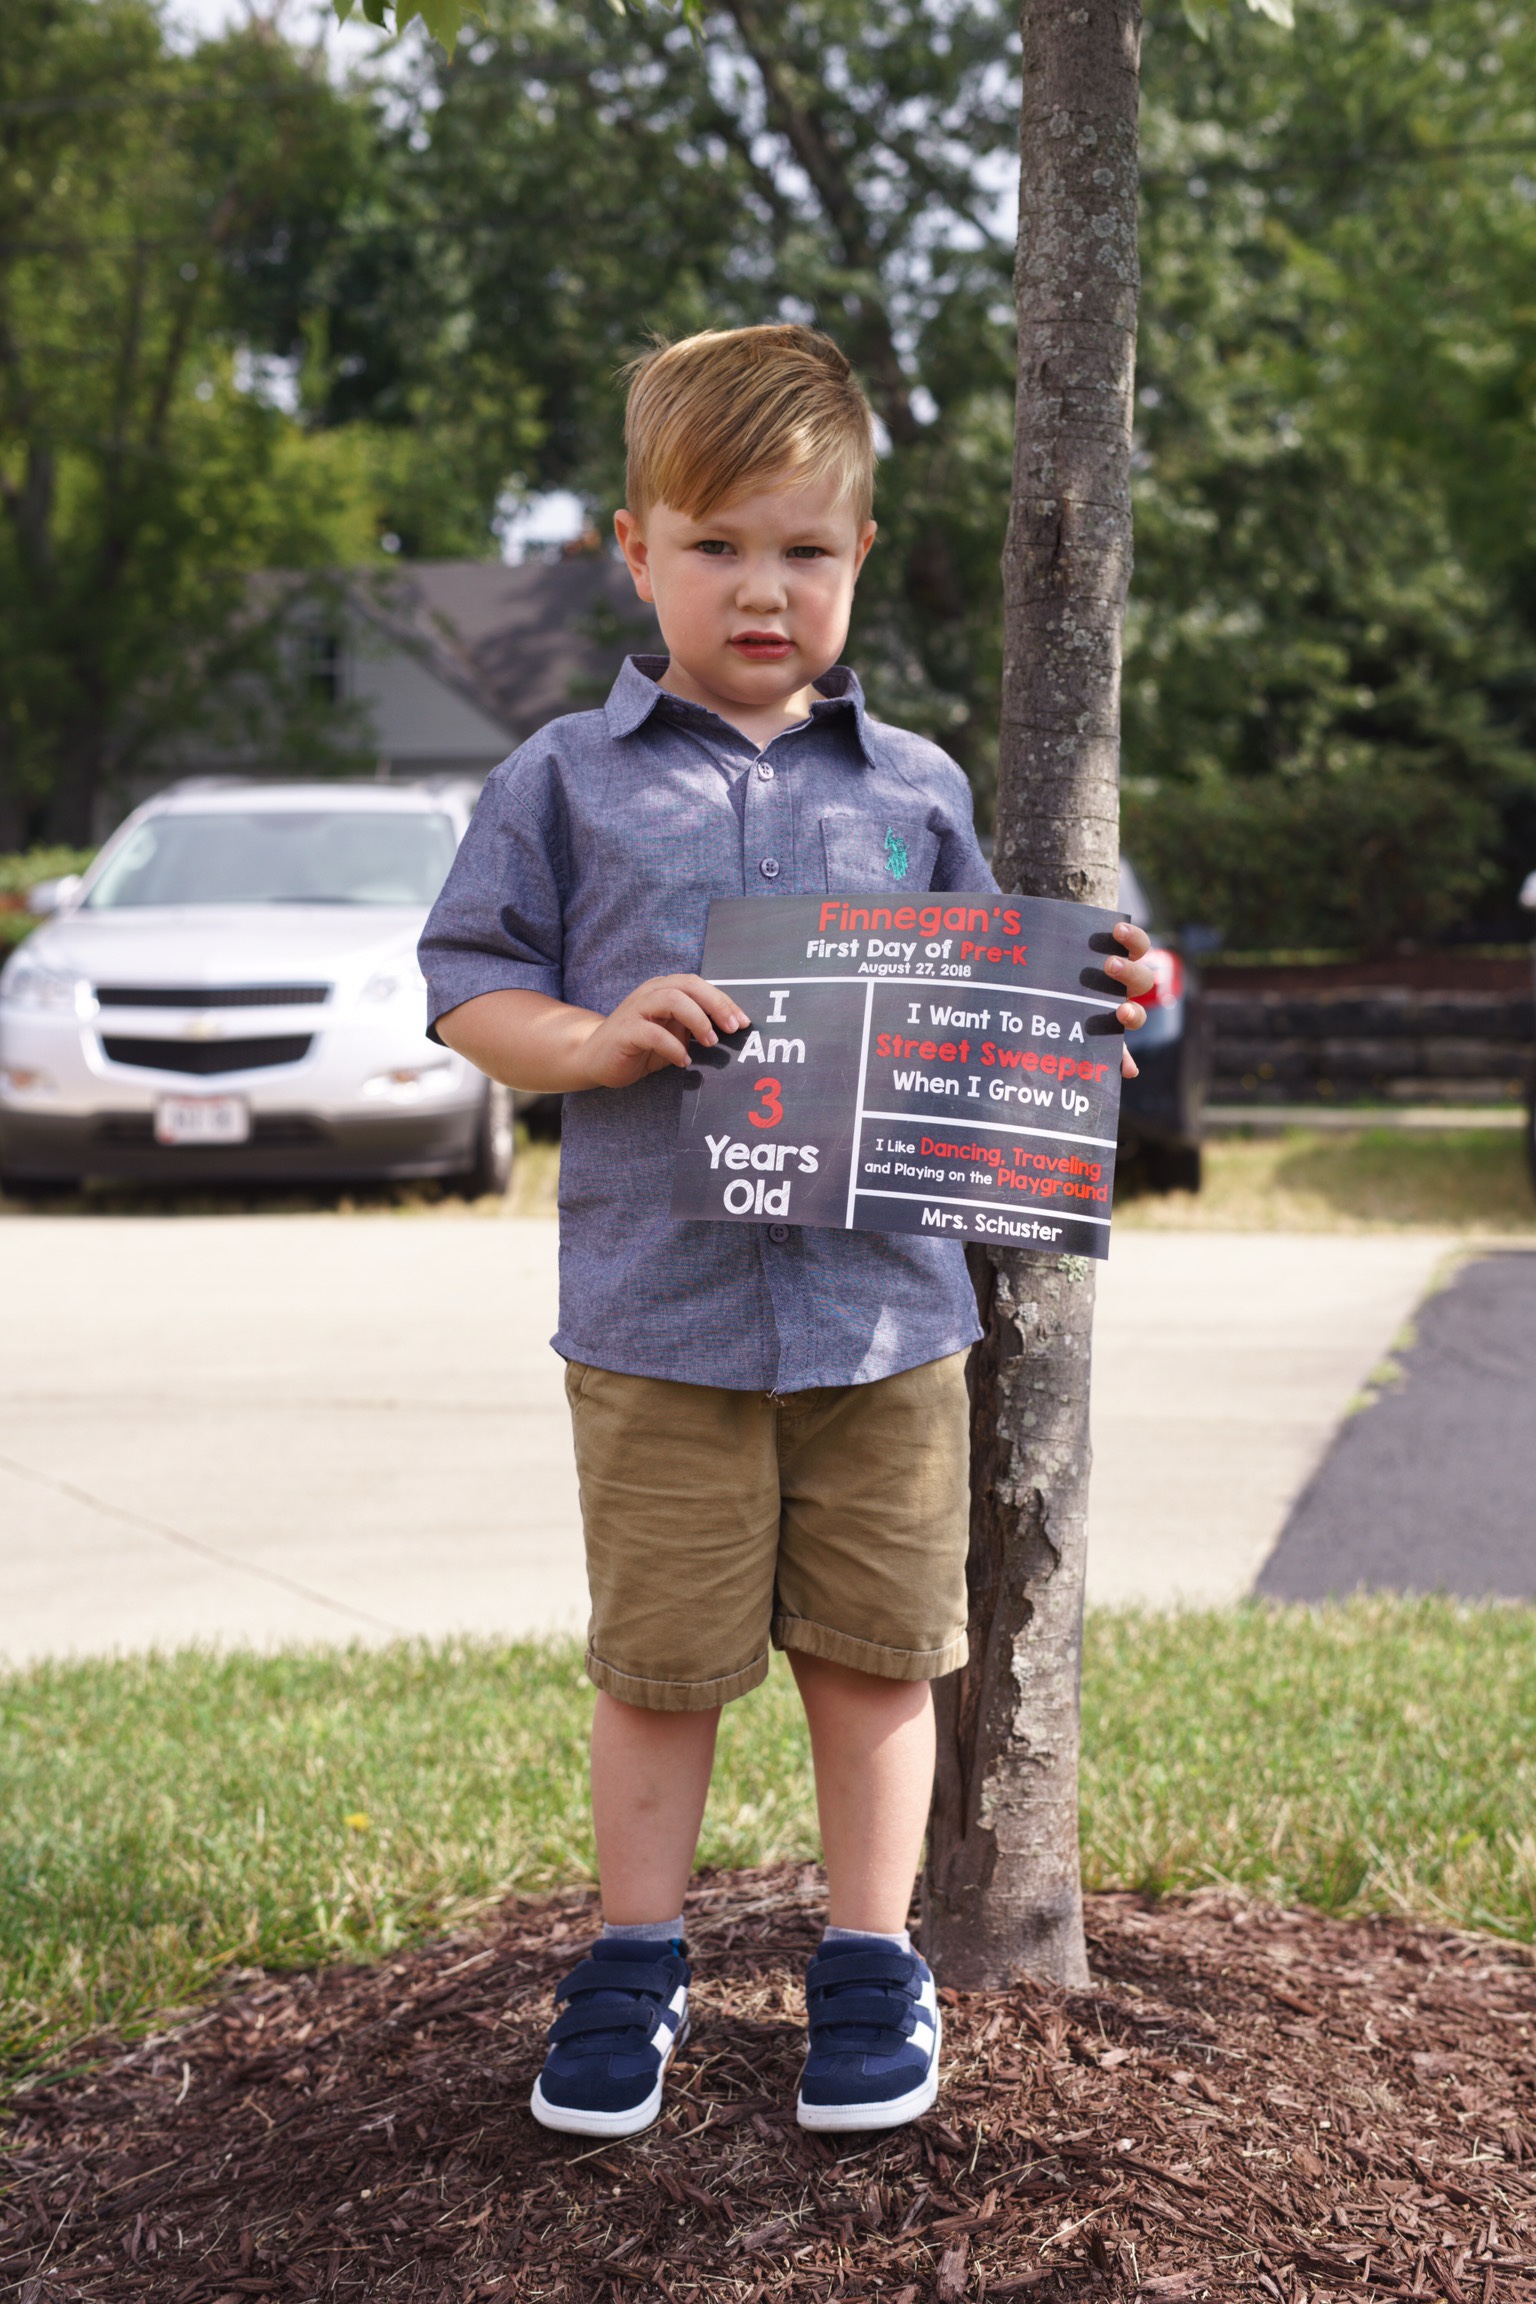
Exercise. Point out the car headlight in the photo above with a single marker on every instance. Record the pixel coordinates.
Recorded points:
(27, 984)
(391, 983)
(408, 1083)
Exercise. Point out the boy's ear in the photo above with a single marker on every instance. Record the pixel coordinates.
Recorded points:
(867, 536)
(636, 551)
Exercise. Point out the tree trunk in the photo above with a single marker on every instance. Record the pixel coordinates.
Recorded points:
(1002, 1894)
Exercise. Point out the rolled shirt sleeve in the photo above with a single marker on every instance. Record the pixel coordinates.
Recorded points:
(498, 924)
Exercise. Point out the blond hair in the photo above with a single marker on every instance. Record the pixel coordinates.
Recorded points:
(715, 415)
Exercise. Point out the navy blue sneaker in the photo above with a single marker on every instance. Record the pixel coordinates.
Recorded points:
(874, 2053)
(625, 2016)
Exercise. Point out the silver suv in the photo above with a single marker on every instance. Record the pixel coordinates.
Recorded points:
(231, 994)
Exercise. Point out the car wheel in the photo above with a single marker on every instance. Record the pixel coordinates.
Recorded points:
(1173, 1167)
(491, 1171)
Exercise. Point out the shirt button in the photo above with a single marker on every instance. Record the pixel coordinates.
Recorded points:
(769, 867)
(778, 1233)
(765, 770)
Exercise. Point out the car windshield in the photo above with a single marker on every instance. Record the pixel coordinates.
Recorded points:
(280, 856)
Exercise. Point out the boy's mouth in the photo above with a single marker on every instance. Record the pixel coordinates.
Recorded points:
(761, 647)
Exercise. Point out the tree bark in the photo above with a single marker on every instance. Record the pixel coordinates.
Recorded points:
(1002, 1893)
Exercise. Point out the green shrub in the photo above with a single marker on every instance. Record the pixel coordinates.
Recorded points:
(19, 874)
(1356, 861)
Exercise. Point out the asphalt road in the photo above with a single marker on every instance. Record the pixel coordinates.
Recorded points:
(1432, 1487)
(276, 1428)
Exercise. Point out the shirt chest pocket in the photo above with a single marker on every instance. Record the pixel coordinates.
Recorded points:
(864, 853)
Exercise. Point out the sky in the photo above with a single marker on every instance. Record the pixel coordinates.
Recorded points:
(301, 20)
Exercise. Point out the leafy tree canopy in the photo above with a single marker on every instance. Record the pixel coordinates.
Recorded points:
(246, 319)
(166, 224)
(1334, 598)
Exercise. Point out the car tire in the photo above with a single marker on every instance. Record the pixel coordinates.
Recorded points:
(491, 1170)
(1173, 1167)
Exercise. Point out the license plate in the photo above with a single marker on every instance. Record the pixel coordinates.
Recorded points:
(202, 1120)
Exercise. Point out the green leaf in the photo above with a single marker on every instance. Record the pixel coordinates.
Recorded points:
(444, 19)
(343, 9)
(1280, 12)
(1197, 15)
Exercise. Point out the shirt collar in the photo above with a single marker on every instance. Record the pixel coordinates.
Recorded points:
(636, 693)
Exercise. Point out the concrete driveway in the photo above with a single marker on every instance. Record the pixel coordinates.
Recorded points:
(295, 1428)
(277, 1428)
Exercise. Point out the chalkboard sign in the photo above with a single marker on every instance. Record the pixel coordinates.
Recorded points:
(949, 1067)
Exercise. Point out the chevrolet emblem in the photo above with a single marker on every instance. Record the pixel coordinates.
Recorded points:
(202, 1028)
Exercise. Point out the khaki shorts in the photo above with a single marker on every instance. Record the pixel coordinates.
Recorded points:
(831, 1521)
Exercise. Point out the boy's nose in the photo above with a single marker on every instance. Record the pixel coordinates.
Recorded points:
(761, 589)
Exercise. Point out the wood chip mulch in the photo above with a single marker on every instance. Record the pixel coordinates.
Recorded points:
(1248, 2103)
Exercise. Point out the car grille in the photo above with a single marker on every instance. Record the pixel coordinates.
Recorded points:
(205, 1056)
(212, 995)
(273, 1130)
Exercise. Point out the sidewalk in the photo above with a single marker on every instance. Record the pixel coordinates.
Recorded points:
(285, 1428)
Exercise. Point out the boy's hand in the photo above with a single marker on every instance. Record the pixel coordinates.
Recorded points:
(1137, 978)
(652, 1028)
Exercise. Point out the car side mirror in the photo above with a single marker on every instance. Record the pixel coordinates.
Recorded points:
(1528, 892)
(52, 895)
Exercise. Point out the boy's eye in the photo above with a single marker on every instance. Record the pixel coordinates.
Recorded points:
(715, 546)
(807, 552)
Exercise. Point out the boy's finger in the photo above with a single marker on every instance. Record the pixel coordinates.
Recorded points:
(1129, 1069)
(679, 1005)
(1136, 940)
(1132, 1015)
(651, 1036)
(727, 1013)
(1138, 976)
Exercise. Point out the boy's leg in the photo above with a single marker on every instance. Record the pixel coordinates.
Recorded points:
(680, 1510)
(872, 1741)
(871, 1605)
(650, 1779)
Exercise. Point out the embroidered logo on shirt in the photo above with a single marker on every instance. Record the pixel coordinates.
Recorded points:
(897, 861)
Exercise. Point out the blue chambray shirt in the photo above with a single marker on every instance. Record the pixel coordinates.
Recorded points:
(588, 867)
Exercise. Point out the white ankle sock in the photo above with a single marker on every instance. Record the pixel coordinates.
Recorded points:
(902, 1939)
(647, 1931)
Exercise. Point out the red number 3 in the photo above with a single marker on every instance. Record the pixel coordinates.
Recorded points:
(771, 1092)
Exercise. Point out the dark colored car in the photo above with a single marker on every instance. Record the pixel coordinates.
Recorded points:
(1160, 1111)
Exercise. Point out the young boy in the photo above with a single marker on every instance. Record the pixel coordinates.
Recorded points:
(770, 1421)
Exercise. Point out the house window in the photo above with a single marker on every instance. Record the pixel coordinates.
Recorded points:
(322, 665)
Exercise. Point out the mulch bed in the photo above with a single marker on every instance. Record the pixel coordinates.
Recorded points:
(1249, 2102)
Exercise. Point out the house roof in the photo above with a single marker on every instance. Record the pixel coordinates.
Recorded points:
(522, 644)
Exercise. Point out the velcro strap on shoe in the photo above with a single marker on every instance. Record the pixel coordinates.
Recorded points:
(876, 1966)
(877, 2010)
(620, 1976)
(574, 2022)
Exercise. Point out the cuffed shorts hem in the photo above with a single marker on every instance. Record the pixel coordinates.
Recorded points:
(676, 1695)
(813, 1639)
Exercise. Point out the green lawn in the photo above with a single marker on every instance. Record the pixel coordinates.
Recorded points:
(1356, 1180)
(164, 1818)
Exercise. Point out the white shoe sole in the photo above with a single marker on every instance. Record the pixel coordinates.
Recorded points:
(571, 2120)
(895, 2112)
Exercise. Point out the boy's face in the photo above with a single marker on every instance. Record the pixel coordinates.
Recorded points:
(753, 601)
